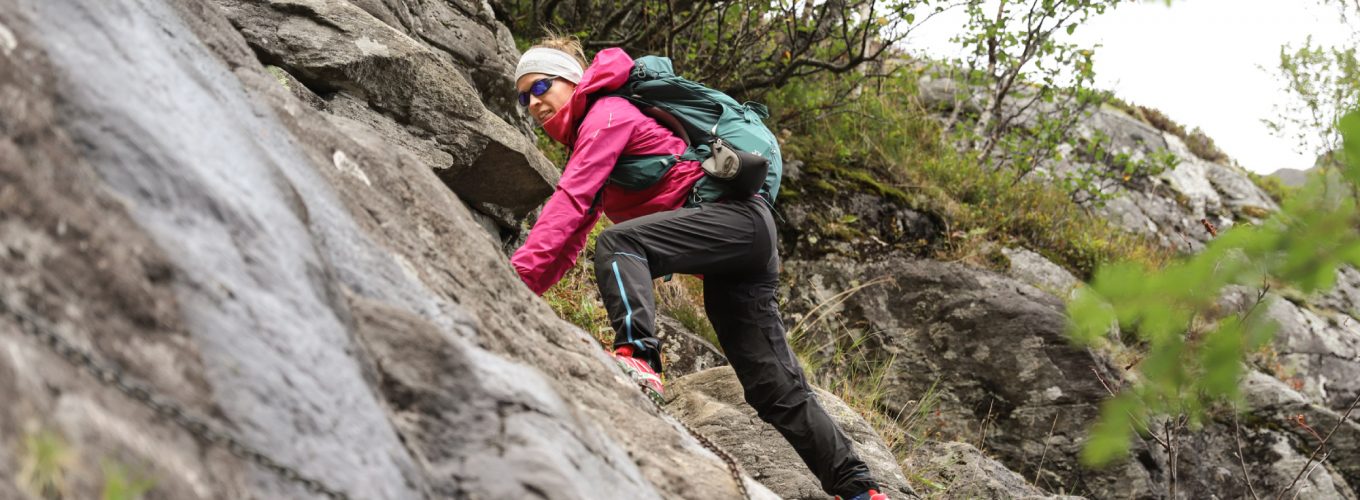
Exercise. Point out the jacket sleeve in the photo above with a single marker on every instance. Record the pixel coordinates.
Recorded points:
(558, 237)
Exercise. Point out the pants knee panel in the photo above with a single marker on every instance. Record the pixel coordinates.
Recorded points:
(773, 399)
(605, 244)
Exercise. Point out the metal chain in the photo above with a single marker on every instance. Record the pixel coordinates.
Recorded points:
(165, 407)
(703, 440)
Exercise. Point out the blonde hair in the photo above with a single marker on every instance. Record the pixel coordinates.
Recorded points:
(565, 43)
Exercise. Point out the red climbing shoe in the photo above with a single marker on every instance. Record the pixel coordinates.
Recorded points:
(641, 372)
(868, 495)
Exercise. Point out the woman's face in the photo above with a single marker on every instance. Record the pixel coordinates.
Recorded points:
(542, 107)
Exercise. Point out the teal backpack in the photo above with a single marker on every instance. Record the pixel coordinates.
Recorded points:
(701, 116)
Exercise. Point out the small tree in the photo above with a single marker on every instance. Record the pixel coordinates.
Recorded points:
(1321, 81)
(743, 47)
(1029, 90)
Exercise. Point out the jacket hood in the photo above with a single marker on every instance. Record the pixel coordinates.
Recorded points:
(606, 73)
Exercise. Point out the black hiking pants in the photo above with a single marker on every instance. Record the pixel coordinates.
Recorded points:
(733, 246)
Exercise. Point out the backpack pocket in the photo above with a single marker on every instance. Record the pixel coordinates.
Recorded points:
(636, 173)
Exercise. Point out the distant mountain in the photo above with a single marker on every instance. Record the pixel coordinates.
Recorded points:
(1291, 176)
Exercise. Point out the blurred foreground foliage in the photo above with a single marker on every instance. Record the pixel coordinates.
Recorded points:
(1195, 351)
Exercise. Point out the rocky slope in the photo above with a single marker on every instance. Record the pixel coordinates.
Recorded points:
(992, 351)
(1170, 207)
(990, 347)
(287, 218)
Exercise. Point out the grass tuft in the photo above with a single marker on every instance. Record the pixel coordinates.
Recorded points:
(44, 464)
(124, 483)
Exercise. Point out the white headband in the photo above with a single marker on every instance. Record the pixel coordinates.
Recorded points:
(549, 62)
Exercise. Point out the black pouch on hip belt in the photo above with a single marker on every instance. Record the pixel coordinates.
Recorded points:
(739, 172)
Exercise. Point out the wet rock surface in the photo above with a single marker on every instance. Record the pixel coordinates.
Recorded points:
(289, 275)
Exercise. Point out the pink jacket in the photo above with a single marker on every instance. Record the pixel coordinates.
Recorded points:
(610, 128)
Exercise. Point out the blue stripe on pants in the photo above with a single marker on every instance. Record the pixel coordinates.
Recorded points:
(627, 319)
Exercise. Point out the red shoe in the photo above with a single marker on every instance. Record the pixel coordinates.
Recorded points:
(641, 372)
(868, 495)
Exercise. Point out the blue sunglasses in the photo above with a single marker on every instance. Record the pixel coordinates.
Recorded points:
(538, 88)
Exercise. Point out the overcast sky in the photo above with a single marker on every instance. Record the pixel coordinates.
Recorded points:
(1199, 61)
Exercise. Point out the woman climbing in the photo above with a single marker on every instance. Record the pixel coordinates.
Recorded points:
(660, 231)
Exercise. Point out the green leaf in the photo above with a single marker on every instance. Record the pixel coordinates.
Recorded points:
(1090, 317)
(1109, 439)
(1350, 132)
(1221, 357)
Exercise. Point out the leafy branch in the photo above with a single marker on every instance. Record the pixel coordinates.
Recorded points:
(1187, 369)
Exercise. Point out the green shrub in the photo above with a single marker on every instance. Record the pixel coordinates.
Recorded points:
(883, 135)
(1272, 186)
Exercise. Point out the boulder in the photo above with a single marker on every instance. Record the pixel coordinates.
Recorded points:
(683, 351)
(1344, 297)
(467, 34)
(712, 403)
(1173, 206)
(1039, 272)
(959, 470)
(1318, 350)
(994, 351)
(336, 48)
(990, 355)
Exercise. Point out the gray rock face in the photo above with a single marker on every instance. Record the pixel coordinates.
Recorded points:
(1039, 272)
(1325, 352)
(1317, 350)
(287, 274)
(853, 224)
(466, 33)
(421, 99)
(1173, 206)
(1283, 446)
(683, 351)
(993, 348)
(1168, 207)
(1344, 297)
(711, 401)
(960, 470)
(1004, 375)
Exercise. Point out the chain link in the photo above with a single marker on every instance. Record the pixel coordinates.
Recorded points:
(732, 466)
(165, 407)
